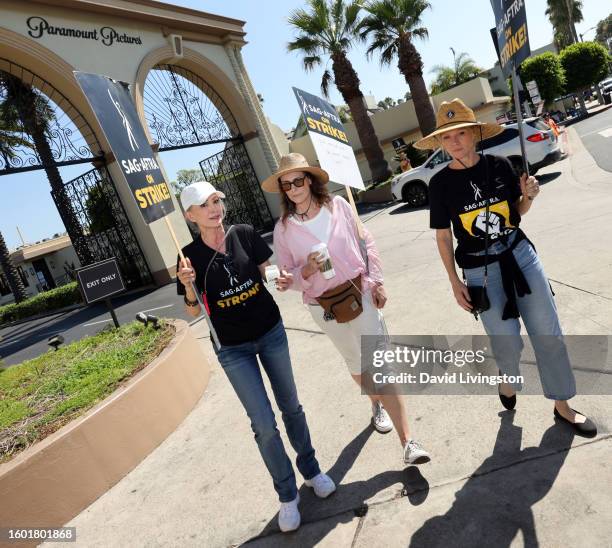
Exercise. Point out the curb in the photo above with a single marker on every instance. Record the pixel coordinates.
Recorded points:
(57, 478)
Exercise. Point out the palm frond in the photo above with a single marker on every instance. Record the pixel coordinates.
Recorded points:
(351, 17)
(388, 54)
(384, 43)
(304, 22)
(311, 62)
(421, 33)
(305, 44)
(325, 81)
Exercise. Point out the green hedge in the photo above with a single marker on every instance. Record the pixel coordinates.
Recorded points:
(43, 302)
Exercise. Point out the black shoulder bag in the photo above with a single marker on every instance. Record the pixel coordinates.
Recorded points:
(479, 299)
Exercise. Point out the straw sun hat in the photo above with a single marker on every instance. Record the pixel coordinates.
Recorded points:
(455, 114)
(293, 162)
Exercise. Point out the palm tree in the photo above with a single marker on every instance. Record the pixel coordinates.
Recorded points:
(24, 105)
(10, 136)
(327, 29)
(10, 131)
(464, 70)
(12, 276)
(563, 15)
(393, 24)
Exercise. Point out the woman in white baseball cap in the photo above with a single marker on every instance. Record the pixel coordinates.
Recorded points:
(226, 268)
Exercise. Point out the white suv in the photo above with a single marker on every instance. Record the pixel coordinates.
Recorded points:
(542, 147)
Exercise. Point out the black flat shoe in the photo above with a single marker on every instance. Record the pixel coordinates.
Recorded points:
(586, 428)
(509, 402)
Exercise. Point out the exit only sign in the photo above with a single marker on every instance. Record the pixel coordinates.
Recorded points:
(100, 280)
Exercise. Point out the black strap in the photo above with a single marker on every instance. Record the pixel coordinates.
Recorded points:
(215, 255)
(486, 189)
(483, 160)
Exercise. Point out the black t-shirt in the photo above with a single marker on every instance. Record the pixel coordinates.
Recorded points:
(241, 308)
(459, 196)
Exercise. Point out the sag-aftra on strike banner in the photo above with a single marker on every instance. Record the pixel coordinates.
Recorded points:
(329, 139)
(114, 109)
(511, 33)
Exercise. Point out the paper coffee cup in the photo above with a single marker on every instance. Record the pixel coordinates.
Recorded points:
(272, 272)
(326, 268)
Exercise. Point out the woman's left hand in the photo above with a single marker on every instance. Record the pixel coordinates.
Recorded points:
(284, 281)
(529, 186)
(379, 296)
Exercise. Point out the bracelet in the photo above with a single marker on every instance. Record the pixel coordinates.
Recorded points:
(190, 303)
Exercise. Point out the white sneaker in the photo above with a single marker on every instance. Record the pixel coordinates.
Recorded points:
(289, 516)
(322, 484)
(415, 454)
(380, 418)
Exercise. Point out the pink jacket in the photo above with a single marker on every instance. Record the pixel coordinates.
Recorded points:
(293, 242)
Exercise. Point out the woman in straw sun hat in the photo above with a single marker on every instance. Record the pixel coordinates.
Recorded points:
(226, 267)
(483, 199)
(345, 300)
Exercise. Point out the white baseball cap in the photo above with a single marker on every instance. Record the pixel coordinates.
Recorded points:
(198, 193)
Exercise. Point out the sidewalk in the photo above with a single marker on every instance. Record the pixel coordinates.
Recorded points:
(496, 479)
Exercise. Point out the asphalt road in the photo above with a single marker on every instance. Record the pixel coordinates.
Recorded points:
(596, 134)
(28, 340)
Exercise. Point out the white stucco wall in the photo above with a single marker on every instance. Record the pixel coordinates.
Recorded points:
(121, 62)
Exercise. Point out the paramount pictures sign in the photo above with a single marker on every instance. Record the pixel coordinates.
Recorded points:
(39, 27)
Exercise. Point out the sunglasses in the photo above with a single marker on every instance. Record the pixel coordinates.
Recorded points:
(298, 182)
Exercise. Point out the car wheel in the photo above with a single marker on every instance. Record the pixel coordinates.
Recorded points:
(415, 194)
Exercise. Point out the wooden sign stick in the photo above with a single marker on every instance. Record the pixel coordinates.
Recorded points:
(213, 333)
(351, 200)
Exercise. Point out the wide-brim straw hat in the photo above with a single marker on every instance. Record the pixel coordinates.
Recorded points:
(293, 162)
(455, 114)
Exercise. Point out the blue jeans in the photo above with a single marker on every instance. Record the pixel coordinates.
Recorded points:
(539, 315)
(240, 365)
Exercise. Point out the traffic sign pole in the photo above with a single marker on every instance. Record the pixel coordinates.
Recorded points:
(109, 305)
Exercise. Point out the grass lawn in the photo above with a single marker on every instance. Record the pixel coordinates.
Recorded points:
(39, 396)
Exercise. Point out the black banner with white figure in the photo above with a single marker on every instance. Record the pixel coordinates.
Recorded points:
(114, 109)
(511, 36)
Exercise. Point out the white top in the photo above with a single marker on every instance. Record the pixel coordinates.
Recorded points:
(319, 225)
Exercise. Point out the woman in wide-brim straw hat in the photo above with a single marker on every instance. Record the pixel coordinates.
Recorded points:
(311, 217)
(225, 265)
(483, 199)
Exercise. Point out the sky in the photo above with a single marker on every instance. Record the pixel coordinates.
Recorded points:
(462, 25)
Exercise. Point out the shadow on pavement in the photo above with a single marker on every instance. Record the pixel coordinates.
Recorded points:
(348, 501)
(364, 208)
(547, 177)
(406, 208)
(491, 508)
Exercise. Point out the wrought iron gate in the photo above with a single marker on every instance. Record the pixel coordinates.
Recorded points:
(40, 129)
(232, 173)
(104, 229)
(183, 110)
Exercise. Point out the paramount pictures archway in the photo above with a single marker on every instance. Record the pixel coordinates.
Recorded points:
(42, 131)
(204, 95)
(182, 110)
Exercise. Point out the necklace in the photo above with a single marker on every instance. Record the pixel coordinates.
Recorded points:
(217, 247)
(304, 215)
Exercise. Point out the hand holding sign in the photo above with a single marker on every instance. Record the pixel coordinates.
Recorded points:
(529, 186)
(186, 273)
